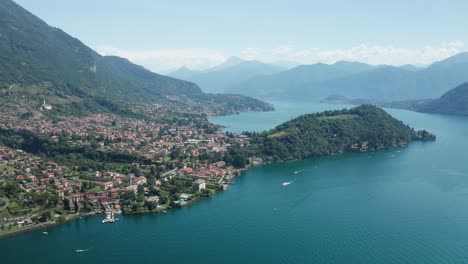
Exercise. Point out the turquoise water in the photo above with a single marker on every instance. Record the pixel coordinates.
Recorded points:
(401, 206)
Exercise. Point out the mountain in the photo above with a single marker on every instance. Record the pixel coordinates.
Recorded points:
(184, 73)
(360, 81)
(383, 82)
(298, 81)
(231, 61)
(286, 64)
(222, 77)
(453, 102)
(40, 61)
(410, 67)
(363, 128)
(393, 83)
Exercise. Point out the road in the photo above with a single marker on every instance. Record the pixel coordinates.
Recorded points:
(5, 206)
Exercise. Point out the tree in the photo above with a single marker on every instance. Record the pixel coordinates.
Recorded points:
(141, 190)
(66, 204)
(45, 216)
(76, 205)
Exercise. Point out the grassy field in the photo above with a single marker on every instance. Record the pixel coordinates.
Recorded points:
(337, 117)
(278, 134)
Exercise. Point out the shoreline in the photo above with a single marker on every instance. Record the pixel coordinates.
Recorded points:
(260, 161)
(40, 226)
(189, 203)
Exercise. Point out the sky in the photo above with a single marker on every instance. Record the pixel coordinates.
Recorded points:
(165, 35)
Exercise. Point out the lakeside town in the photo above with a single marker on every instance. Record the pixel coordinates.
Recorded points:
(161, 165)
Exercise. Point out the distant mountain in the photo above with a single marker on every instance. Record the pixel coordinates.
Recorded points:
(360, 81)
(392, 83)
(41, 61)
(410, 67)
(221, 78)
(231, 61)
(453, 102)
(286, 64)
(298, 81)
(184, 73)
(382, 82)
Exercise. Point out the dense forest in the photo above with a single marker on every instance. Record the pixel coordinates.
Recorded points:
(363, 128)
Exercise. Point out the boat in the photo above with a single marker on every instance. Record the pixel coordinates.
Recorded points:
(80, 250)
(286, 183)
(45, 230)
(296, 172)
(109, 218)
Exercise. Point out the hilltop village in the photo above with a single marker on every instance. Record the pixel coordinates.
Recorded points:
(54, 169)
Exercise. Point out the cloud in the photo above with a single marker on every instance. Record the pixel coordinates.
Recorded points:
(372, 54)
(166, 60)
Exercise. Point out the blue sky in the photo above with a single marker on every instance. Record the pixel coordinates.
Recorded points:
(164, 35)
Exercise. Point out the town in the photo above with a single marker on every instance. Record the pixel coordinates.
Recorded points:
(160, 165)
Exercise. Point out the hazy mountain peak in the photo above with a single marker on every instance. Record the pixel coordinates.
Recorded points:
(231, 61)
(460, 58)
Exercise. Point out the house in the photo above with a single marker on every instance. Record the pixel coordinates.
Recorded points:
(199, 185)
(105, 185)
(45, 106)
(139, 180)
(133, 188)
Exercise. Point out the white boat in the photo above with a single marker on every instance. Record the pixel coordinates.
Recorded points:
(109, 218)
(286, 183)
(45, 233)
(80, 250)
(296, 172)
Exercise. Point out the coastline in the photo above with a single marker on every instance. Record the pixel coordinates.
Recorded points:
(241, 171)
(40, 226)
(254, 161)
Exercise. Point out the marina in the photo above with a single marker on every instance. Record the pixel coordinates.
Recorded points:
(109, 218)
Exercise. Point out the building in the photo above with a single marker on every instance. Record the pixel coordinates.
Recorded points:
(139, 180)
(45, 106)
(199, 185)
(105, 185)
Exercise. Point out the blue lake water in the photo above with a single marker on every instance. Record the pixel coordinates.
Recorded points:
(401, 206)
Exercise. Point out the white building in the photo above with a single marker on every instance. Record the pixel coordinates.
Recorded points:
(199, 185)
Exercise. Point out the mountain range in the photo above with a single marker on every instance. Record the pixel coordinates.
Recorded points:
(359, 80)
(41, 61)
(231, 73)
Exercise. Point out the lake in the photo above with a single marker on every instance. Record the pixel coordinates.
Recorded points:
(406, 205)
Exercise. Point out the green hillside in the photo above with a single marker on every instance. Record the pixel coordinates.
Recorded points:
(453, 102)
(38, 61)
(363, 128)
